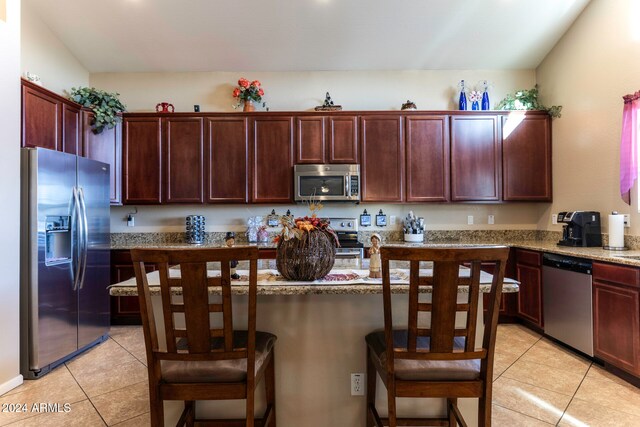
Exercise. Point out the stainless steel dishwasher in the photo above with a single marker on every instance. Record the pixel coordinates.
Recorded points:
(567, 308)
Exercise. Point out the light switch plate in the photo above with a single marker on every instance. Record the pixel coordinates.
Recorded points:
(627, 221)
(470, 220)
(554, 219)
(491, 219)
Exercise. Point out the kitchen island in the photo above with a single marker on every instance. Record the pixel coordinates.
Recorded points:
(321, 328)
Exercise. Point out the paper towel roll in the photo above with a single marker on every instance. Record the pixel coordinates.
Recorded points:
(616, 231)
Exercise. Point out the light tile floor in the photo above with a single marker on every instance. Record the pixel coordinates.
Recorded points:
(536, 383)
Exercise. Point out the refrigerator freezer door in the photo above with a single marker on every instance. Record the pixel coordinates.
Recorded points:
(49, 303)
(93, 306)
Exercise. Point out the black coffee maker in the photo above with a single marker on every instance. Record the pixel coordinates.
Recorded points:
(581, 228)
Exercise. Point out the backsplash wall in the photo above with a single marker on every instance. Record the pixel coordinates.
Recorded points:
(171, 218)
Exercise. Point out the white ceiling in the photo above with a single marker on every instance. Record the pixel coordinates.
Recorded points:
(295, 35)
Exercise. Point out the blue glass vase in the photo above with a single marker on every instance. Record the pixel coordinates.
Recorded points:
(475, 105)
(485, 101)
(462, 102)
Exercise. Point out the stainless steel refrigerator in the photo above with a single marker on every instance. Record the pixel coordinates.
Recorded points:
(64, 257)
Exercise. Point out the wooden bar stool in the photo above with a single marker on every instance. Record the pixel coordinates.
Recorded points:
(201, 361)
(436, 360)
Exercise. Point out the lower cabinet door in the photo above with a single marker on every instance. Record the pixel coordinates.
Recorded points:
(616, 323)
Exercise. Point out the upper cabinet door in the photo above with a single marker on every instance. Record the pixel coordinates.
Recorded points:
(71, 129)
(105, 147)
(227, 151)
(183, 151)
(526, 157)
(40, 119)
(272, 140)
(427, 158)
(142, 160)
(475, 158)
(343, 139)
(310, 140)
(382, 169)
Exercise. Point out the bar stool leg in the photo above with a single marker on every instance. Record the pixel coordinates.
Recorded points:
(270, 387)
(371, 388)
(391, 401)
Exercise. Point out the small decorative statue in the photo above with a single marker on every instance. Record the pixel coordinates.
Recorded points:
(230, 240)
(328, 105)
(409, 106)
(375, 265)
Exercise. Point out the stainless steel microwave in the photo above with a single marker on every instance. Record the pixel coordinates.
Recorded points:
(327, 182)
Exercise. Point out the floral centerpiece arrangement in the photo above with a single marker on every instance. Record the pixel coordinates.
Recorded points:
(306, 247)
(247, 93)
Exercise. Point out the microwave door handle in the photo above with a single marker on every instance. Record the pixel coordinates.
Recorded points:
(347, 185)
(77, 219)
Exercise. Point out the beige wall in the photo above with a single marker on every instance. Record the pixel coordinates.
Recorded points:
(45, 55)
(10, 196)
(371, 90)
(299, 91)
(588, 72)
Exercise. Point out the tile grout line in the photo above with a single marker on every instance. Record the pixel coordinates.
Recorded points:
(521, 413)
(510, 365)
(85, 393)
(574, 394)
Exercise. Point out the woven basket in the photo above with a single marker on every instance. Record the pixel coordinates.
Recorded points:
(306, 259)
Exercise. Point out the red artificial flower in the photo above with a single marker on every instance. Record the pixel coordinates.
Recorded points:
(236, 92)
(243, 82)
(260, 92)
(255, 83)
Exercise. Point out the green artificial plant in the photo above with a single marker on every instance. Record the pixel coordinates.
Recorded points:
(527, 100)
(105, 106)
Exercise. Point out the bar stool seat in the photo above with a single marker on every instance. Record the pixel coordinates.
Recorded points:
(217, 371)
(422, 370)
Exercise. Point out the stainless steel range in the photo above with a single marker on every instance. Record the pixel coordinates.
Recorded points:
(347, 231)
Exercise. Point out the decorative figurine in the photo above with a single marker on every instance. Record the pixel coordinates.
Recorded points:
(328, 105)
(230, 240)
(375, 265)
(409, 106)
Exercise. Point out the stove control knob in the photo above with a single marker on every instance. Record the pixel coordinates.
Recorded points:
(350, 224)
(342, 224)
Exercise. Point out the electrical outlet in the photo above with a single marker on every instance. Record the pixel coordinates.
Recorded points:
(491, 219)
(357, 384)
(470, 220)
(131, 221)
(627, 221)
(554, 219)
(392, 219)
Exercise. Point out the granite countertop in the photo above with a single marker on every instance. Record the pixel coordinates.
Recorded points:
(594, 253)
(349, 277)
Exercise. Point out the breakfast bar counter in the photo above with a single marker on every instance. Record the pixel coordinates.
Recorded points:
(320, 327)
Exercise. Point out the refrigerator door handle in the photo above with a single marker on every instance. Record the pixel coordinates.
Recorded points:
(77, 215)
(84, 237)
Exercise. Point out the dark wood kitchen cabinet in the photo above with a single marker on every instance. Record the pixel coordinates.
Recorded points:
(227, 151)
(327, 139)
(427, 151)
(529, 274)
(616, 315)
(41, 117)
(475, 158)
(311, 136)
(125, 310)
(105, 147)
(71, 129)
(526, 157)
(183, 147)
(142, 160)
(382, 168)
(272, 158)
(342, 137)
